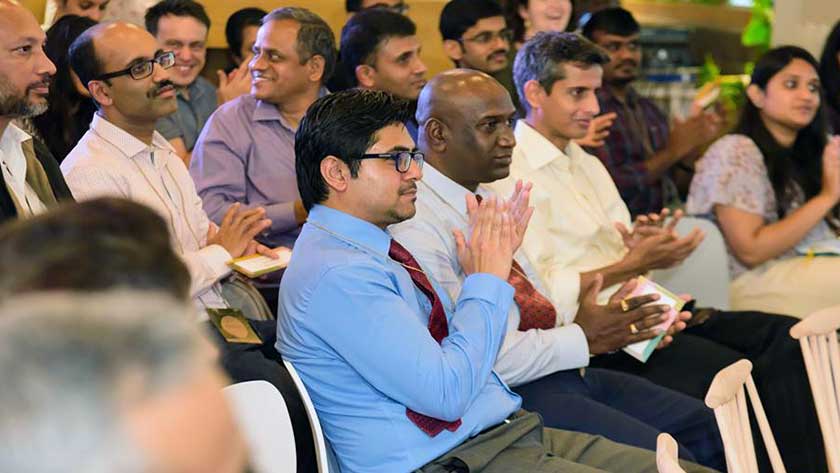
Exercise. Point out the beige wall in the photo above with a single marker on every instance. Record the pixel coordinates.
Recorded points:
(805, 23)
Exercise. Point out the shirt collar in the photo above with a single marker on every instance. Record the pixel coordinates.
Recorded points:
(360, 233)
(13, 136)
(196, 90)
(265, 111)
(537, 149)
(123, 140)
(448, 190)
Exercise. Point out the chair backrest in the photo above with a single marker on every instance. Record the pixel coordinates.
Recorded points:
(266, 426)
(817, 335)
(667, 460)
(728, 398)
(705, 273)
(321, 451)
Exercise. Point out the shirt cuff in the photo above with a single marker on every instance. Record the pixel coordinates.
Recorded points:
(571, 346)
(216, 258)
(488, 287)
(564, 287)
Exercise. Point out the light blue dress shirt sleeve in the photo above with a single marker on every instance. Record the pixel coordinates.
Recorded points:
(372, 334)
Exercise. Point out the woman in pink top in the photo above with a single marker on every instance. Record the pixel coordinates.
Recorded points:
(773, 188)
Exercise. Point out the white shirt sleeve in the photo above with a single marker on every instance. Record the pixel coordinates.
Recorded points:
(206, 265)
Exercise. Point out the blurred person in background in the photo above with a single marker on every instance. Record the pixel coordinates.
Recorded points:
(529, 17)
(830, 77)
(109, 382)
(355, 6)
(93, 9)
(182, 26)
(241, 33)
(70, 103)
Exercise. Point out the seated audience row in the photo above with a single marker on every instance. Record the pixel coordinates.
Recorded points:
(419, 337)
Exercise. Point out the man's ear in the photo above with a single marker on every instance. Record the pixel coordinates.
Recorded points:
(100, 92)
(316, 66)
(534, 94)
(366, 76)
(336, 173)
(437, 135)
(756, 96)
(453, 50)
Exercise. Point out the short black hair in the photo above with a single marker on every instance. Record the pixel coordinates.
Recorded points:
(542, 58)
(460, 15)
(616, 20)
(366, 31)
(237, 23)
(344, 125)
(100, 244)
(314, 37)
(83, 58)
(175, 8)
(352, 6)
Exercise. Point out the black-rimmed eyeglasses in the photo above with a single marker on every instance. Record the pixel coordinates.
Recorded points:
(142, 69)
(402, 159)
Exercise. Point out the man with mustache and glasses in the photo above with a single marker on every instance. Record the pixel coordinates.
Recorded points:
(650, 162)
(476, 36)
(380, 50)
(181, 26)
(122, 155)
(31, 180)
(246, 152)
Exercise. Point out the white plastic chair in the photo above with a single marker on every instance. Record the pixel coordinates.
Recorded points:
(817, 335)
(667, 460)
(705, 273)
(321, 453)
(264, 419)
(728, 398)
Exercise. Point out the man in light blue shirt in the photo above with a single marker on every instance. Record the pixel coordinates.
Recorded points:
(401, 377)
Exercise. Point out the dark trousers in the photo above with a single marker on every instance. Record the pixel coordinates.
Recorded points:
(691, 362)
(626, 409)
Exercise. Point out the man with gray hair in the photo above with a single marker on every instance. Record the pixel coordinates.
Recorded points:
(246, 151)
(87, 391)
(30, 180)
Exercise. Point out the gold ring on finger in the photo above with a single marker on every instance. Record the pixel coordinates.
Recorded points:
(625, 307)
(633, 329)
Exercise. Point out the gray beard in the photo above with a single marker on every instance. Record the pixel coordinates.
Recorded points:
(17, 108)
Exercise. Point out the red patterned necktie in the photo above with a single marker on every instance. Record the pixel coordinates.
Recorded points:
(535, 310)
(438, 328)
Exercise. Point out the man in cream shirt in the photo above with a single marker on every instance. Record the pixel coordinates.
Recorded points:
(580, 224)
(31, 180)
(122, 155)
